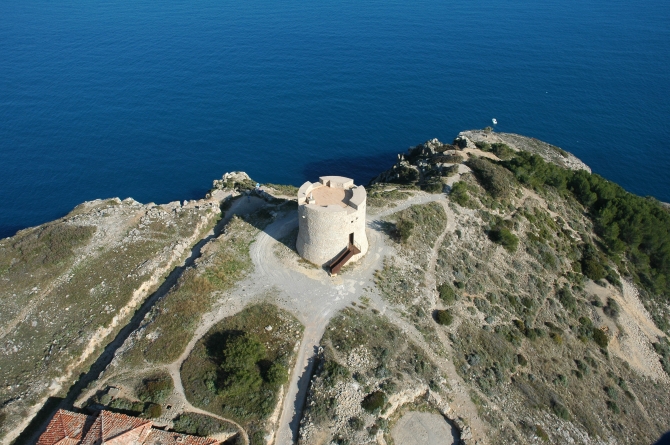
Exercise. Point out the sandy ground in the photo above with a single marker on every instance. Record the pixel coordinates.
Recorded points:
(416, 428)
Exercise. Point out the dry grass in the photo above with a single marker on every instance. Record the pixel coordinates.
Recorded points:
(59, 289)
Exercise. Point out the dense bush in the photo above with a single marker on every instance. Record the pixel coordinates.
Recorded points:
(240, 364)
(560, 410)
(447, 159)
(591, 263)
(200, 424)
(612, 309)
(567, 300)
(449, 171)
(444, 317)
(433, 185)
(447, 294)
(404, 229)
(497, 181)
(155, 389)
(333, 371)
(404, 175)
(502, 235)
(521, 360)
(459, 193)
(152, 411)
(276, 374)
(356, 423)
(628, 224)
(374, 401)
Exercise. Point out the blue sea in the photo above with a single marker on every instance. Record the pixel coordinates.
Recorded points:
(155, 99)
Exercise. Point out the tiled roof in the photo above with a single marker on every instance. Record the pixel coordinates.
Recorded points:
(64, 425)
(112, 428)
(68, 428)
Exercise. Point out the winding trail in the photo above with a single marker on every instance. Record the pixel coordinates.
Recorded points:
(313, 297)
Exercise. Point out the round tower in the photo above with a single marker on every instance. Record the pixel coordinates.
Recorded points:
(331, 228)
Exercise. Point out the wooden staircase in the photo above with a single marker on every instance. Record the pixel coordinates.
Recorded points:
(342, 259)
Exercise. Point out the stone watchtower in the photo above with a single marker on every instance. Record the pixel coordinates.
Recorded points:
(331, 227)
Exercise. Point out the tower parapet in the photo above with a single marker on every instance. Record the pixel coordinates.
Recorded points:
(331, 216)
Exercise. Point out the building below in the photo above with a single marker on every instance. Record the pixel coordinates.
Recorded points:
(68, 428)
(331, 227)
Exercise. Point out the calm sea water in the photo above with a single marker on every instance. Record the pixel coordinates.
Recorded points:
(154, 100)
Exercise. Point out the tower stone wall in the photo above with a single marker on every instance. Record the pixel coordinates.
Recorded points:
(329, 212)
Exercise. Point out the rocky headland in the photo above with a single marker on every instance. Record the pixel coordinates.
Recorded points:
(509, 296)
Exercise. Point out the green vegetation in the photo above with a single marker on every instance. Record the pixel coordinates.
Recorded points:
(447, 159)
(129, 407)
(286, 190)
(394, 364)
(54, 298)
(446, 292)
(47, 246)
(175, 316)
(240, 365)
(403, 229)
(497, 181)
(629, 226)
(459, 194)
(500, 234)
(237, 368)
(444, 317)
(560, 410)
(379, 195)
(501, 150)
(156, 388)
(201, 425)
(433, 185)
(374, 401)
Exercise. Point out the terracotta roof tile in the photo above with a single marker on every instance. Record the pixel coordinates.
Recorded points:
(115, 428)
(64, 425)
(68, 428)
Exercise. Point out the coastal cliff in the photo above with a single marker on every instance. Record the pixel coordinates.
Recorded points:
(507, 291)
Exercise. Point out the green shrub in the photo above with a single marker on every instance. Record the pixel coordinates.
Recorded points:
(276, 374)
(449, 171)
(459, 194)
(560, 410)
(333, 371)
(612, 309)
(404, 229)
(592, 263)
(600, 338)
(496, 180)
(502, 235)
(155, 389)
(521, 360)
(241, 356)
(567, 300)
(542, 434)
(613, 407)
(444, 317)
(447, 294)
(152, 411)
(434, 185)
(404, 175)
(503, 151)
(374, 401)
(483, 146)
(447, 159)
(201, 425)
(611, 392)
